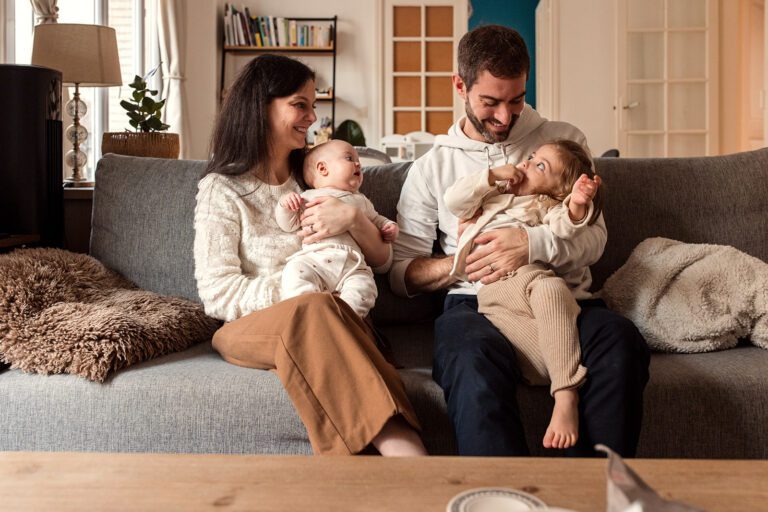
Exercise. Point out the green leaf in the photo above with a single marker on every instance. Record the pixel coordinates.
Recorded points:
(138, 96)
(145, 126)
(136, 116)
(155, 123)
(136, 84)
(153, 93)
(148, 104)
(134, 123)
(130, 107)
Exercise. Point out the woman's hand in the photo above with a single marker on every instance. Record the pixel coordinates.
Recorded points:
(498, 253)
(327, 216)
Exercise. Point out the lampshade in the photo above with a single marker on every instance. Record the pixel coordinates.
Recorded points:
(85, 54)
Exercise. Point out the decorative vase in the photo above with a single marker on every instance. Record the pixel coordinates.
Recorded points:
(151, 144)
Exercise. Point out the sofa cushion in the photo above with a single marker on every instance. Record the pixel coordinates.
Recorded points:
(142, 226)
(714, 200)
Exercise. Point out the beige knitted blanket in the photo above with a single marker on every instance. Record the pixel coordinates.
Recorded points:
(62, 312)
(692, 297)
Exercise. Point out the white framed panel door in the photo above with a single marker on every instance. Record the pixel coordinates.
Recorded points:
(667, 78)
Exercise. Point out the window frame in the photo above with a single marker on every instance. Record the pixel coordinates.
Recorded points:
(100, 107)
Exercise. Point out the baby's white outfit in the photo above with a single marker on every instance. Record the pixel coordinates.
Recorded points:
(336, 264)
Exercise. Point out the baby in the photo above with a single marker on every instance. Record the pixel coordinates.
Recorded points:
(532, 307)
(336, 263)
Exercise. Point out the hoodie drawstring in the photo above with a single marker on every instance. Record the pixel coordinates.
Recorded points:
(488, 155)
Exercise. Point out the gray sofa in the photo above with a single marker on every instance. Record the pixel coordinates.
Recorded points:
(707, 405)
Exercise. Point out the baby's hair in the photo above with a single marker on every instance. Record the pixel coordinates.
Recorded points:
(310, 163)
(577, 161)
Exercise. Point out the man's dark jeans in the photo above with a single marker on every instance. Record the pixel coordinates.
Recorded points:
(476, 367)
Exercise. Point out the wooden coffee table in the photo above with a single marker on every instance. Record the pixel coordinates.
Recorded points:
(132, 482)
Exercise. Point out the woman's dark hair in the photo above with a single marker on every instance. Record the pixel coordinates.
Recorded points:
(577, 161)
(499, 50)
(240, 140)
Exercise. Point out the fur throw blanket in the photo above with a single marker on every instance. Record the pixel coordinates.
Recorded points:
(62, 312)
(692, 297)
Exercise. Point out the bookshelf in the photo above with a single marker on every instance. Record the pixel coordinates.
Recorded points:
(294, 48)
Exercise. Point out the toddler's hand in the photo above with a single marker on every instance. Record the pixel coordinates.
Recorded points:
(389, 232)
(584, 190)
(292, 201)
(509, 173)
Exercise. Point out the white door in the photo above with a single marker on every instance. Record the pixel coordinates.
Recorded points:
(667, 78)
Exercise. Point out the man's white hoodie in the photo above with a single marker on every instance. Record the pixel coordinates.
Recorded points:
(423, 216)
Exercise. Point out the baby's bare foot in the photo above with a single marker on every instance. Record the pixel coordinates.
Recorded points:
(563, 429)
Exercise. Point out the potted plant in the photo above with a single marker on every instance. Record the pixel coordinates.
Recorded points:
(149, 137)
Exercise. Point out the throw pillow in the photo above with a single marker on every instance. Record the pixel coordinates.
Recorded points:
(691, 297)
(62, 312)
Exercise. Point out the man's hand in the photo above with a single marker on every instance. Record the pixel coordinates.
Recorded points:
(292, 201)
(389, 232)
(499, 252)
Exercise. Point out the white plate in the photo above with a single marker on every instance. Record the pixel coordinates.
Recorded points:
(494, 499)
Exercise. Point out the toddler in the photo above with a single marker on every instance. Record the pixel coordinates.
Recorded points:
(336, 263)
(532, 307)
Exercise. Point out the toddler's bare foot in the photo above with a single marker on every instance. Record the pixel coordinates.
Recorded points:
(563, 429)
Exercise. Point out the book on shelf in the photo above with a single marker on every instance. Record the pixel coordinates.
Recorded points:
(241, 28)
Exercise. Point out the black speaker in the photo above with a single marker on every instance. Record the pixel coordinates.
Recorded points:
(31, 193)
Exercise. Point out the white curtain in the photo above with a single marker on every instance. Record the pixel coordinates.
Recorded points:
(171, 35)
(3, 56)
(45, 11)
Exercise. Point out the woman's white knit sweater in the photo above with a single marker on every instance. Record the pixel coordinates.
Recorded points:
(240, 250)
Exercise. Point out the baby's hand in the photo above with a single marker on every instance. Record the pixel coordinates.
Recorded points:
(292, 201)
(584, 190)
(389, 232)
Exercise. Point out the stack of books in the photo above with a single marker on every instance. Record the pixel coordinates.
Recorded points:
(243, 29)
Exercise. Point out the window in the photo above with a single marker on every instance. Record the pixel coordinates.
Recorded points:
(138, 49)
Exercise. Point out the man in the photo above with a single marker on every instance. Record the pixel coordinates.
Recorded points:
(473, 363)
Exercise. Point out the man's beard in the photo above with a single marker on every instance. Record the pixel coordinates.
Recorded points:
(489, 136)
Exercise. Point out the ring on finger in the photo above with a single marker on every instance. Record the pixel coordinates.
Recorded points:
(490, 266)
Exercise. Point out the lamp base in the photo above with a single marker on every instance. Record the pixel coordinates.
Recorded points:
(72, 183)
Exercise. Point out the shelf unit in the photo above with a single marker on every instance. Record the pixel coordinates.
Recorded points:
(292, 50)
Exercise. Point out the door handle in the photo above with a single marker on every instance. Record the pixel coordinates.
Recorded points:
(634, 104)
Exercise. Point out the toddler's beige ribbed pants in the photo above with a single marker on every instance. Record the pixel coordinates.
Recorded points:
(325, 356)
(536, 312)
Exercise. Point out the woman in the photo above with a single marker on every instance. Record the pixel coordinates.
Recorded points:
(345, 392)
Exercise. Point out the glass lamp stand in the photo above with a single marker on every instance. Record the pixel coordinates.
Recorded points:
(76, 134)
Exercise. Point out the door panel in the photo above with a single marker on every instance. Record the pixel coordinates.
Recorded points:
(668, 79)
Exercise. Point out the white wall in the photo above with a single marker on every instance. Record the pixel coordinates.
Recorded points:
(577, 83)
(357, 63)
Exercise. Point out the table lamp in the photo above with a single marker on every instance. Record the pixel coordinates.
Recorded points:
(86, 55)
